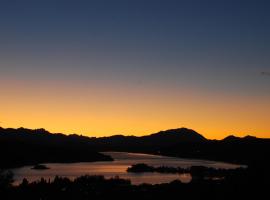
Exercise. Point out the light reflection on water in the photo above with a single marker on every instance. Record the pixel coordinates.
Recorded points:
(118, 167)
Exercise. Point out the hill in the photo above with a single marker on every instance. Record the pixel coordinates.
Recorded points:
(30, 147)
(188, 143)
(153, 143)
(25, 146)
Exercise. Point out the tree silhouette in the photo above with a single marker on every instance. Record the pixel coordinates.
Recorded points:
(6, 179)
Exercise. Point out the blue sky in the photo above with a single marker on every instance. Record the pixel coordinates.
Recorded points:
(213, 47)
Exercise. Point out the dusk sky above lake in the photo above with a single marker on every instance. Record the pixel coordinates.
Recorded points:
(136, 67)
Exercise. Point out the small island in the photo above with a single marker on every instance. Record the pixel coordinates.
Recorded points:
(40, 167)
(201, 172)
(142, 167)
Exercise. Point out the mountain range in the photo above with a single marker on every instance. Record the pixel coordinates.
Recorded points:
(25, 146)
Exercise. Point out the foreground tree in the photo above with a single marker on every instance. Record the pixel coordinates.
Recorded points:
(6, 179)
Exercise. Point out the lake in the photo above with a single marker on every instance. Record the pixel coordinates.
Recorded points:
(118, 167)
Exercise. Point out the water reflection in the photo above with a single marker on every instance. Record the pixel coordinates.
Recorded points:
(118, 167)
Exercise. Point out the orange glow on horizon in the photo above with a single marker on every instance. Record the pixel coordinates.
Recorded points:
(103, 110)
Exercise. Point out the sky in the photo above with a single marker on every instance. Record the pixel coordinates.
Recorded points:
(135, 67)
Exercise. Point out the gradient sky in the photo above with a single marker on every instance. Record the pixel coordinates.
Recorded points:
(136, 67)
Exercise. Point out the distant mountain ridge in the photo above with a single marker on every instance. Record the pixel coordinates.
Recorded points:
(30, 147)
(181, 134)
(182, 142)
(184, 134)
(234, 138)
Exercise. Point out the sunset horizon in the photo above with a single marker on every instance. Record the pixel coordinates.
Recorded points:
(98, 135)
(136, 67)
(134, 99)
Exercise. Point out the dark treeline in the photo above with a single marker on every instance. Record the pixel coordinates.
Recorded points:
(198, 171)
(242, 184)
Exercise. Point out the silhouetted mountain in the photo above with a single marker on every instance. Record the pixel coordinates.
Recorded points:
(183, 134)
(34, 146)
(190, 144)
(30, 147)
(246, 150)
(234, 138)
(150, 143)
(231, 138)
(175, 136)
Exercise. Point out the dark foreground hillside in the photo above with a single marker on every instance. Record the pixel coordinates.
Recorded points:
(21, 146)
(242, 184)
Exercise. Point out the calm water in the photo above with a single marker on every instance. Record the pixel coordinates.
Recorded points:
(118, 167)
